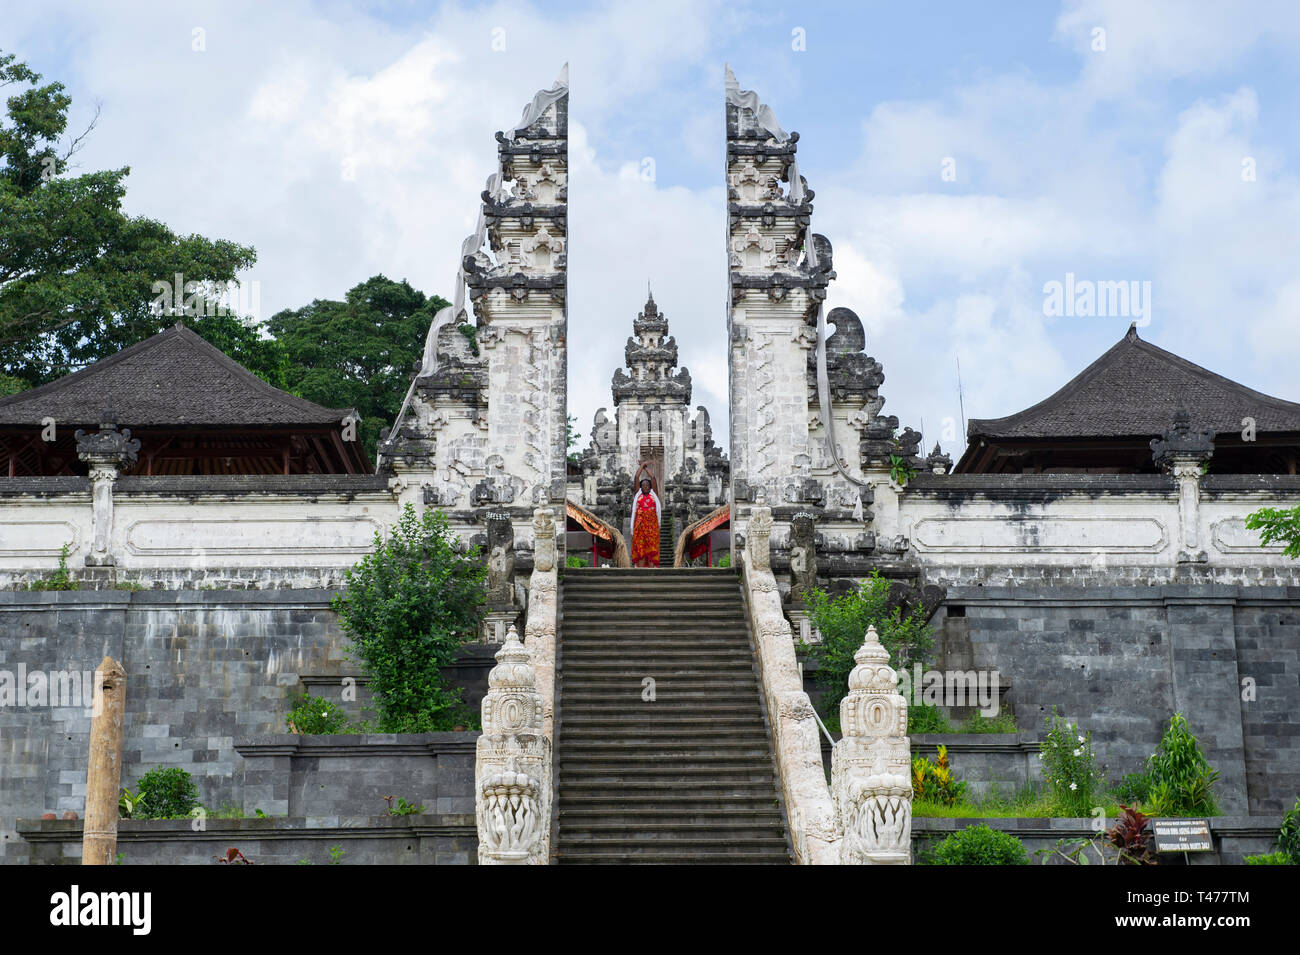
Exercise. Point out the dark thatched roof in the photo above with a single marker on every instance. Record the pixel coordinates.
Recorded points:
(173, 379)
(1133, 391)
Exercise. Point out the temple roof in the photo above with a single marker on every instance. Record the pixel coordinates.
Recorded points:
(173, 379)
(1134, 391)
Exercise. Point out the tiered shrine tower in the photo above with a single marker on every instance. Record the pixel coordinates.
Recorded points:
(653, 422)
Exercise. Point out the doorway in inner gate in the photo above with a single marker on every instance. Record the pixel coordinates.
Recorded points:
(652, 452)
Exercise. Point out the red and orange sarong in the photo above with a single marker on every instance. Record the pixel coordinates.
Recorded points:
(645, 533)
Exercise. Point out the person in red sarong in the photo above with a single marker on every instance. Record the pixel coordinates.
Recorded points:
(645, 526)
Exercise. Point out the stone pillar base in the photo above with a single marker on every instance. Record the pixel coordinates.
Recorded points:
(496, 623)
(801, 624)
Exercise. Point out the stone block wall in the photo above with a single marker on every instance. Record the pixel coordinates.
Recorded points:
(204, 669)
(427, 839)
(349, 775)
(1120, 661)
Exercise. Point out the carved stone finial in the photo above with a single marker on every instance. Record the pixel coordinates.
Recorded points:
(871, 765)
(803, 556)
(544, 552)
(500, 562)
(108, 447)
(937, 461)
(1180, 445)
(758, 539)
(512, 764)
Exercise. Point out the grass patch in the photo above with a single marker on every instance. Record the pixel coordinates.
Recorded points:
(1031, 802)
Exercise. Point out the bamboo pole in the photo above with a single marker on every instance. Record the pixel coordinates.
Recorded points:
(104, 771)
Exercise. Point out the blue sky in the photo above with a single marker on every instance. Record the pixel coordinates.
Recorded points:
(1116, 164)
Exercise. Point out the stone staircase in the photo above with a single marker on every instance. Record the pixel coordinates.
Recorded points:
(687, 777)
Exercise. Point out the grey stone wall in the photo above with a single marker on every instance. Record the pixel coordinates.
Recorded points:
(204, 668)
(428, 839)
(1122, 660)
(350, 775)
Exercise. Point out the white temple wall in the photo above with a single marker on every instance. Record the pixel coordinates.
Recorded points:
(1089, 535)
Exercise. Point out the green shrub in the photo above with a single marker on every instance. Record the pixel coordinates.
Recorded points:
(1288, 838)
(980, 845)
(843, 620)
(1004, 722)
(409, 607)
(923, 718)
(1069, 766)
(1132, 789)
(724, 560)
(935, 782)
(1270, 858)
(1182, 780)
(573, 560)
(314, 714)
(403, 807)
(61, 579)
(164, 794)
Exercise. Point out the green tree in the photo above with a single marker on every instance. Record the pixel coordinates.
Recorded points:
(408, 608)
(358, 353)
(843, 620)
(76, 273)
(246, 343)
(1278, 526)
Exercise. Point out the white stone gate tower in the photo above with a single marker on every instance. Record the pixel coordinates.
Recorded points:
(485, 435)
(796, 392)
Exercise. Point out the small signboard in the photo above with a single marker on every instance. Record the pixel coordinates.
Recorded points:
(1182, 835)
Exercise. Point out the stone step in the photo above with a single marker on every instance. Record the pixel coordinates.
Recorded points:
(634, 833)
(592, 770)
(618, 704)
(594, 649)
(666, 749)
(699, 850)
(664, 731)
(594, 654)
(687, 777)
(602, 822)
(670, 723)
(663, 671)
(595, 637)
(654, 801)
(648, 619)
(653, 793)
(701, 690)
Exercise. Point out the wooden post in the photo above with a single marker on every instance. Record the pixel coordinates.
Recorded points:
(104, 772)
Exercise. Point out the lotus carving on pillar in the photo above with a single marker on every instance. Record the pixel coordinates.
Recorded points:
(512, 809)
(870, 769)
(513, 764)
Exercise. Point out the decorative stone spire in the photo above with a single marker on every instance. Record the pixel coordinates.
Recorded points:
(107, 452)
(1181, 445)
(1184, 453)
(937, 461)
(108, 447)
(651, 355)
(512, 764)
(871, 765)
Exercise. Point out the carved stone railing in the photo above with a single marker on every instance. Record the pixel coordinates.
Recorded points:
(871, 764)
(513, 766)
(512, 772)
(543, 608)
(809, 809)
